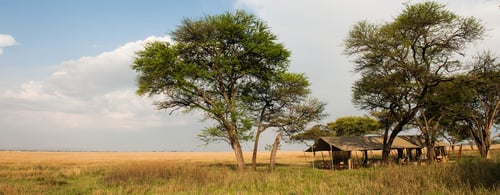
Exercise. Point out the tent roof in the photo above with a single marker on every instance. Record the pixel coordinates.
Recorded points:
(420, 141)
(357, 143)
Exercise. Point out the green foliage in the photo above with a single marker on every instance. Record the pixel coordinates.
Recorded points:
(349, 125)
(354, 125)
(212, 60)
(300, 115)
(314, 133)
(217, 133)
(273, 99)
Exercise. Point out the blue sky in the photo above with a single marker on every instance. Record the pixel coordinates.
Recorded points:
(52, 31)
(66, 82)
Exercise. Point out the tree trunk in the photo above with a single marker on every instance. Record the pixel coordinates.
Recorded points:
(430, 153)
(274, 151)
(429, 132)
(235, 144)
(481, 135)
(239, 155)
(386, 149)
(484, 148)
(255, 148)
(387, 145)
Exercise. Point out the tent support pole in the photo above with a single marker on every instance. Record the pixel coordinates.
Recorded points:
(331, 157)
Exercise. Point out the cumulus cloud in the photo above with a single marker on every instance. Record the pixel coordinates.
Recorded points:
(6, 41)
(90, 93)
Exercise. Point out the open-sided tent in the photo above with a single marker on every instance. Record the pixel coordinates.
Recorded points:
(342, 147)
(439, 146)
(358, 143)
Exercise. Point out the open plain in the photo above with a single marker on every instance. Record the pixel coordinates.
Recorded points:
(23, 172)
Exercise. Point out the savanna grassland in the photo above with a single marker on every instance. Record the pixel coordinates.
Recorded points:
(215, 173)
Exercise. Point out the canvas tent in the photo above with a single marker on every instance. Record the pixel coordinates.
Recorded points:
(342, 147)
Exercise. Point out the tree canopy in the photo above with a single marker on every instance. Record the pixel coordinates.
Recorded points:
(354, 125)
(400, 61)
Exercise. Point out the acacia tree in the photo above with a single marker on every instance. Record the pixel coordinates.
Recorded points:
(482, 109)
(400, 61)
(273, 100)
(354, 125)
(438, 110)
(293, 120)
(207, 68)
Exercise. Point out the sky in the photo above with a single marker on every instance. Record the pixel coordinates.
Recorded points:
(66, 81)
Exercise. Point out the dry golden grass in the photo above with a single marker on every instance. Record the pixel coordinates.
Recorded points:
(287, 157)
(284, 157)
(214, 173)
(123, 172)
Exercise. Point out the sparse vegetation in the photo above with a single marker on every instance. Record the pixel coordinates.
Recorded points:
(126, 175)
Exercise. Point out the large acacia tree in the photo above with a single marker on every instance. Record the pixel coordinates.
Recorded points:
(485, 105)
(402, 60)
(274, 103)
(208, 67)
(480, 109)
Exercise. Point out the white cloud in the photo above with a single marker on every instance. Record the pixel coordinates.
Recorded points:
(314, 32)
(6, 41)
(90, 93)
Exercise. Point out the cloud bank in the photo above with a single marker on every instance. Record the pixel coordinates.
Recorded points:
(93, 95)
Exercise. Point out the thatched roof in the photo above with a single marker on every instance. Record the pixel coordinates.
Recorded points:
(357, 143)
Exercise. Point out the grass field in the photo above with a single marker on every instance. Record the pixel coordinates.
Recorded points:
(214, 173)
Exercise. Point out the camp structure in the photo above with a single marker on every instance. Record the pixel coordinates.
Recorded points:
(341, 150)
(439, 146)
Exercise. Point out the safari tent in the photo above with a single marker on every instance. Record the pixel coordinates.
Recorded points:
(439, 147)
(342, 148)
